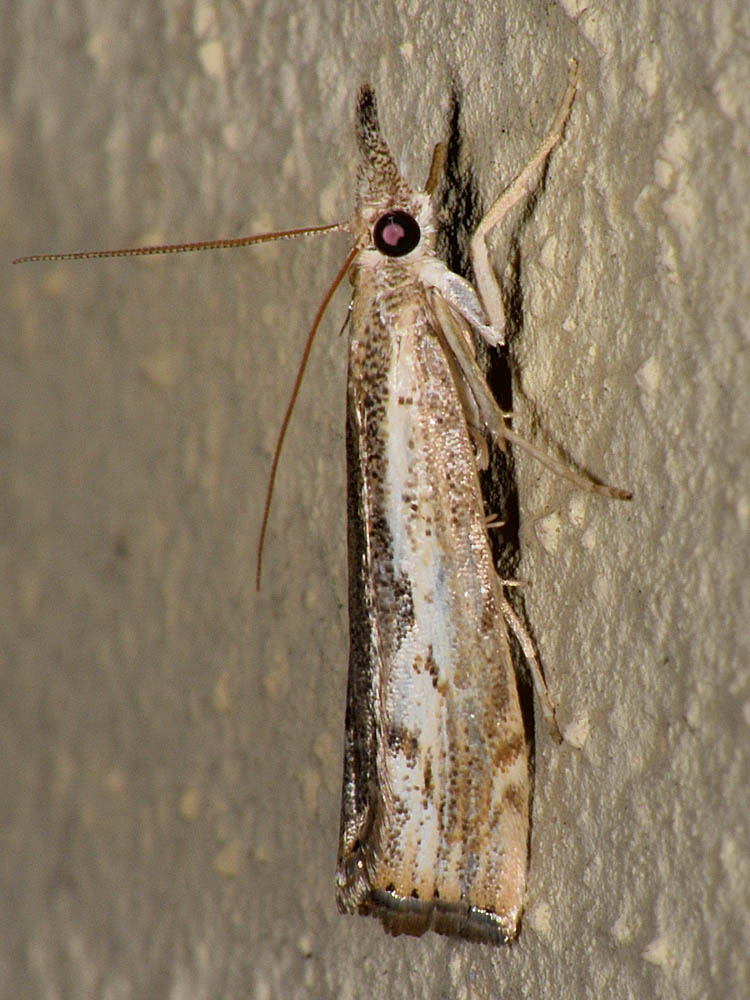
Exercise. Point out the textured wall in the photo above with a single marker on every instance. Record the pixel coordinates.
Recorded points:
(171, 741)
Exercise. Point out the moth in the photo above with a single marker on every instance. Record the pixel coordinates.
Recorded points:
(434, 828)
(435, 804)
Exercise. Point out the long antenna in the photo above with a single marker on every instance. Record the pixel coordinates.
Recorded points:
(225, 244)
(295, 391)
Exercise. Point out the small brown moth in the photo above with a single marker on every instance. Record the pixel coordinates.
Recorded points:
(435, 807)
(435, 804)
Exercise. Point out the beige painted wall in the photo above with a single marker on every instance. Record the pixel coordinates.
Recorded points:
(171, 740)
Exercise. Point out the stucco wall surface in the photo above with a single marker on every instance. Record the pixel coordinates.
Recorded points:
(170, 739)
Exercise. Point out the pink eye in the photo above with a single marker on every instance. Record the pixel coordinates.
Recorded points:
(396, 234)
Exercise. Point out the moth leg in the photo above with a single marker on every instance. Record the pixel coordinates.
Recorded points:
(486, 282)
(584, 482)
(494, 419)
(525, 642)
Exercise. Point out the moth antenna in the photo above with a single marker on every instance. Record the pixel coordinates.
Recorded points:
(439, 156)
(225, 244)
(293, 399)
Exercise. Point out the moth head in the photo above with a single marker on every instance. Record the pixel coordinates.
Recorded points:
(397, 218)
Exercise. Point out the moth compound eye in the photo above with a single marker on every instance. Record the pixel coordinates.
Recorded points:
(396, 234)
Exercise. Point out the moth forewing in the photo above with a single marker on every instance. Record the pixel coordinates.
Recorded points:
(435, 806)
